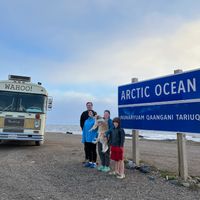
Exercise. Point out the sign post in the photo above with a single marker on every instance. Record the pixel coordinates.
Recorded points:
(181, 147)
(135, 140)
(182, 156)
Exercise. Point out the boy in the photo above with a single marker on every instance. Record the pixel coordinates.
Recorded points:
(117, 138)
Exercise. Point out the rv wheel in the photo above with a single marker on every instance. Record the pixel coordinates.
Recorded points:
(38, 143)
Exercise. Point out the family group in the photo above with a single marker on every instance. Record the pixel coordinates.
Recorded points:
(109, 138)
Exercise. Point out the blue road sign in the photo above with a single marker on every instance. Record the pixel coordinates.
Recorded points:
(171, 103)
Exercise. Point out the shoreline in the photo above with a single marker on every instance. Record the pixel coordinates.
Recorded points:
(128, 137)
(147, 134)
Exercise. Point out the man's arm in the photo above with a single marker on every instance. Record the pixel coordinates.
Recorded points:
(82, 120)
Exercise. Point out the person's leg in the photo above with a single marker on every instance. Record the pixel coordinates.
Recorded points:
(94, 152)
(93, 155)
(101, 153)
(86, 152)
(116, 167)
(106, 161)
(89, 151)
(122, 162)
(121, 170)
(107, 157)
(121, 167)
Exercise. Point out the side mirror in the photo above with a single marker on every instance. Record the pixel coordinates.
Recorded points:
(50, 103)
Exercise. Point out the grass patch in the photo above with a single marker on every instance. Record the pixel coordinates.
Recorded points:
(168, 175)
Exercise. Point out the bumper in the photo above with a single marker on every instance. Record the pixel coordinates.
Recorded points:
(21, 136)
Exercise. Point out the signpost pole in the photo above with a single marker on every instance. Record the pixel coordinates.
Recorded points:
(181, 146)
(135, 140)
(182, 158)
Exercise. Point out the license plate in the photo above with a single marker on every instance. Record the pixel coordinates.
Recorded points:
(12, 136)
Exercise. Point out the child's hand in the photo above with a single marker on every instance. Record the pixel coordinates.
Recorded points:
(94, 141)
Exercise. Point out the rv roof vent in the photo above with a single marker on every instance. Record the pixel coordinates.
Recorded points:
(19, 78)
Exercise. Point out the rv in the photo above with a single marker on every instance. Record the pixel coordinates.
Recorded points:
(23, 108)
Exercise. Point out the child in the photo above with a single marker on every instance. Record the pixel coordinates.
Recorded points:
(88, 137)
(116, 138)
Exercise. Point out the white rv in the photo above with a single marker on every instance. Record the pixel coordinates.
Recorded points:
(23, 107)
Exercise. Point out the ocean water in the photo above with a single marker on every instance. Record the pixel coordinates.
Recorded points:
(151, 135)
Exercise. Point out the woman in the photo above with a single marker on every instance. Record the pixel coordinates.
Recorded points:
(105, 156)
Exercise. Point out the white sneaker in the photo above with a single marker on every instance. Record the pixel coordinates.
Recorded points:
(121, 176)
(113, 173)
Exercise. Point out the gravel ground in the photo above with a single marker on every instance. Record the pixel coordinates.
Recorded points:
(54, 171)
(163, 155)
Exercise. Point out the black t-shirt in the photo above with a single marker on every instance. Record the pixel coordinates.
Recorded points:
(84, 117)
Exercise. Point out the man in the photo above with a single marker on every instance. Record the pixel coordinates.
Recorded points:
(84, 115)
(83, 118)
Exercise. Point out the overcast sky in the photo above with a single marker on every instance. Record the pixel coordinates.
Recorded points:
(82, 50)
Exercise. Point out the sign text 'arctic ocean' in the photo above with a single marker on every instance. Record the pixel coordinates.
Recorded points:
(170, 103)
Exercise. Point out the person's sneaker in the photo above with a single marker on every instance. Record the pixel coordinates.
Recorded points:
(112, 173)
(93, 165)
(100, 167)
(106, 169)
(85, 161)
(88, 164)
(121, 176)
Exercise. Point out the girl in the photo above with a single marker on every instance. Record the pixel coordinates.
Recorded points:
(116, 138)
(88, 137)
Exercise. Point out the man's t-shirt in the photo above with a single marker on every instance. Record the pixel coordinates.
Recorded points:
(84, 117)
